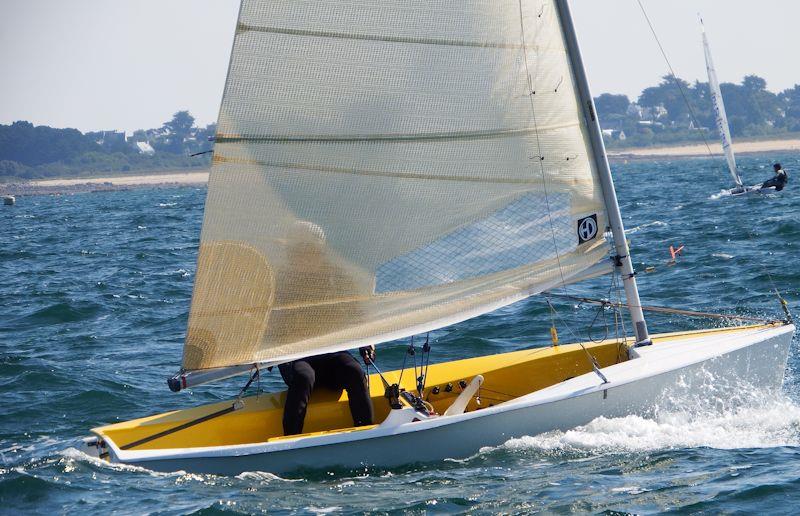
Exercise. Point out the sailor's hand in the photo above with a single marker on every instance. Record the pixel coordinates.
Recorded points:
(368, 354)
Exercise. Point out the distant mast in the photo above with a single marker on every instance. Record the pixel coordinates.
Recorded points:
(721, 118)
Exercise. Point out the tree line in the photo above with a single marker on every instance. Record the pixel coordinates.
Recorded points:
(673, 111)
(36, 152)
(664, 113)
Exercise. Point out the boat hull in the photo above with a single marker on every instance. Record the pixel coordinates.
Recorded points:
(661, 376)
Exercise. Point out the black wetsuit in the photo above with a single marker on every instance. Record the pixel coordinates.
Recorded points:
(779, 181)
(335, 371)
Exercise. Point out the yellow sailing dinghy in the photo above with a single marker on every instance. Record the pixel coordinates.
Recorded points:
(386, 169)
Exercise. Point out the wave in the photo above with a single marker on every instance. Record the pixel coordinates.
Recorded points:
(58, 313)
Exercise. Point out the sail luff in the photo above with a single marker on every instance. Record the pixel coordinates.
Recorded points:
(623, 259)
(720, 117)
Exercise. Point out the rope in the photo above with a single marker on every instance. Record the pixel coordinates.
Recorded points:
(676, 311)
(677, 81)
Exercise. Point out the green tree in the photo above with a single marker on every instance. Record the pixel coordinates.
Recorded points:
(608, 105)
(177, 130)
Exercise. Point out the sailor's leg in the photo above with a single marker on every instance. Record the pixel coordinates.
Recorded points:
(301, 383)
(350, 376)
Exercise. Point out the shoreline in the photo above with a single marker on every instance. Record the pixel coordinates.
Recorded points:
(699, 150)
(155, 179)
(177, 178)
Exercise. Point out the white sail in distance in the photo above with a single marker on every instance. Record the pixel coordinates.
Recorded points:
(384, 168)
(721, 118)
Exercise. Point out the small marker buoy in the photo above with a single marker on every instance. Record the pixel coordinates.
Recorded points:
(674, 254)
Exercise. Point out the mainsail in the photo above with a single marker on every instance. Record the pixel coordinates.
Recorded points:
(384, 168)
(721, 118)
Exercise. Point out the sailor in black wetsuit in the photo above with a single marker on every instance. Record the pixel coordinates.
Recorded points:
(779, 181)
(333, 370)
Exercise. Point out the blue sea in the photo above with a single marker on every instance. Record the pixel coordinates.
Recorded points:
(94, 296)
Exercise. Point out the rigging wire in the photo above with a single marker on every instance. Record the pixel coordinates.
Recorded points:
(676, 311)
(675, 78)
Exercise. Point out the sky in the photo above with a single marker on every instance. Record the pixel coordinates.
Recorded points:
(130, 64)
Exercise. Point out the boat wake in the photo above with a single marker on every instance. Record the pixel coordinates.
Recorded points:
(758, 425)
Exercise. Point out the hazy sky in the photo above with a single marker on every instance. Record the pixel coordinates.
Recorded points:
(130, 64)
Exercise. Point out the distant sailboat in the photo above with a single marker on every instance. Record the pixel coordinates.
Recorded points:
(721, 119)
(385, 169)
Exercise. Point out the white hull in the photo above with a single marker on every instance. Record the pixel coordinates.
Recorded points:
(722, 363)
(750, 190)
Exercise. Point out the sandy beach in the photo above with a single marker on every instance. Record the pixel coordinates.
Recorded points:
(699, 150)
(178, 178)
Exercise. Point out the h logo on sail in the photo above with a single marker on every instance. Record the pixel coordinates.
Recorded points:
(587, 228)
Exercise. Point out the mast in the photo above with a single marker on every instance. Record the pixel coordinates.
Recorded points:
(622, 258)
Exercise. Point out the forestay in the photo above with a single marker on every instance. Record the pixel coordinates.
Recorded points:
(721, 118)
(384, 168)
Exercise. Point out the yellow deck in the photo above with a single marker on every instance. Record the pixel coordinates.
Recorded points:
(506, 376)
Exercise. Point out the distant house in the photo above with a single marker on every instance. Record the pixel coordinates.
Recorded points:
(635, 110)
(614, 134)
(145, 148)
(654, 112)
(107, 137)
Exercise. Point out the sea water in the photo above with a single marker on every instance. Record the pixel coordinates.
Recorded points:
(94, 296)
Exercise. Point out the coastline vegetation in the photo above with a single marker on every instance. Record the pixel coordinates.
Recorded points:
(676, 112)
(30, 152)
(659, 116)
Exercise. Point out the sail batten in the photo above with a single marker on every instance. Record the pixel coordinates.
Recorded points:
(365, 189)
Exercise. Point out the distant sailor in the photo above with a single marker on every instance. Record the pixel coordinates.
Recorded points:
(779, 181)
(334, 371)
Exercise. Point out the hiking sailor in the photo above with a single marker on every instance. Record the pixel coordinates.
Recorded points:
(779, 181)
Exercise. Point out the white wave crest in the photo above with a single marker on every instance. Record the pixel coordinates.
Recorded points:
(73, 454)
(263, 476)
(655, 223)
(773, 424)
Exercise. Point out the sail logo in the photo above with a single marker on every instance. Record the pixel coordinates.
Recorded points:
(587, 228)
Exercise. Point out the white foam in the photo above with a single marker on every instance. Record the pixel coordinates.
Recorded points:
(73, 454)
(722, 255)
(772, 424)
(263, 476)
(721, 194)
(655, 223)
(323, 510)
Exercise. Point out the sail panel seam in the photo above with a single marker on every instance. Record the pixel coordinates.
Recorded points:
(388, 137)
(242, 27)
(218, 158)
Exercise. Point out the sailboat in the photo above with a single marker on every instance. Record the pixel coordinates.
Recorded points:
(721, 120)
(385, 170)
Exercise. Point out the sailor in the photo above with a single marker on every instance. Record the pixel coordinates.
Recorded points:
(312, 272)
(333, 371)
(779, 181)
